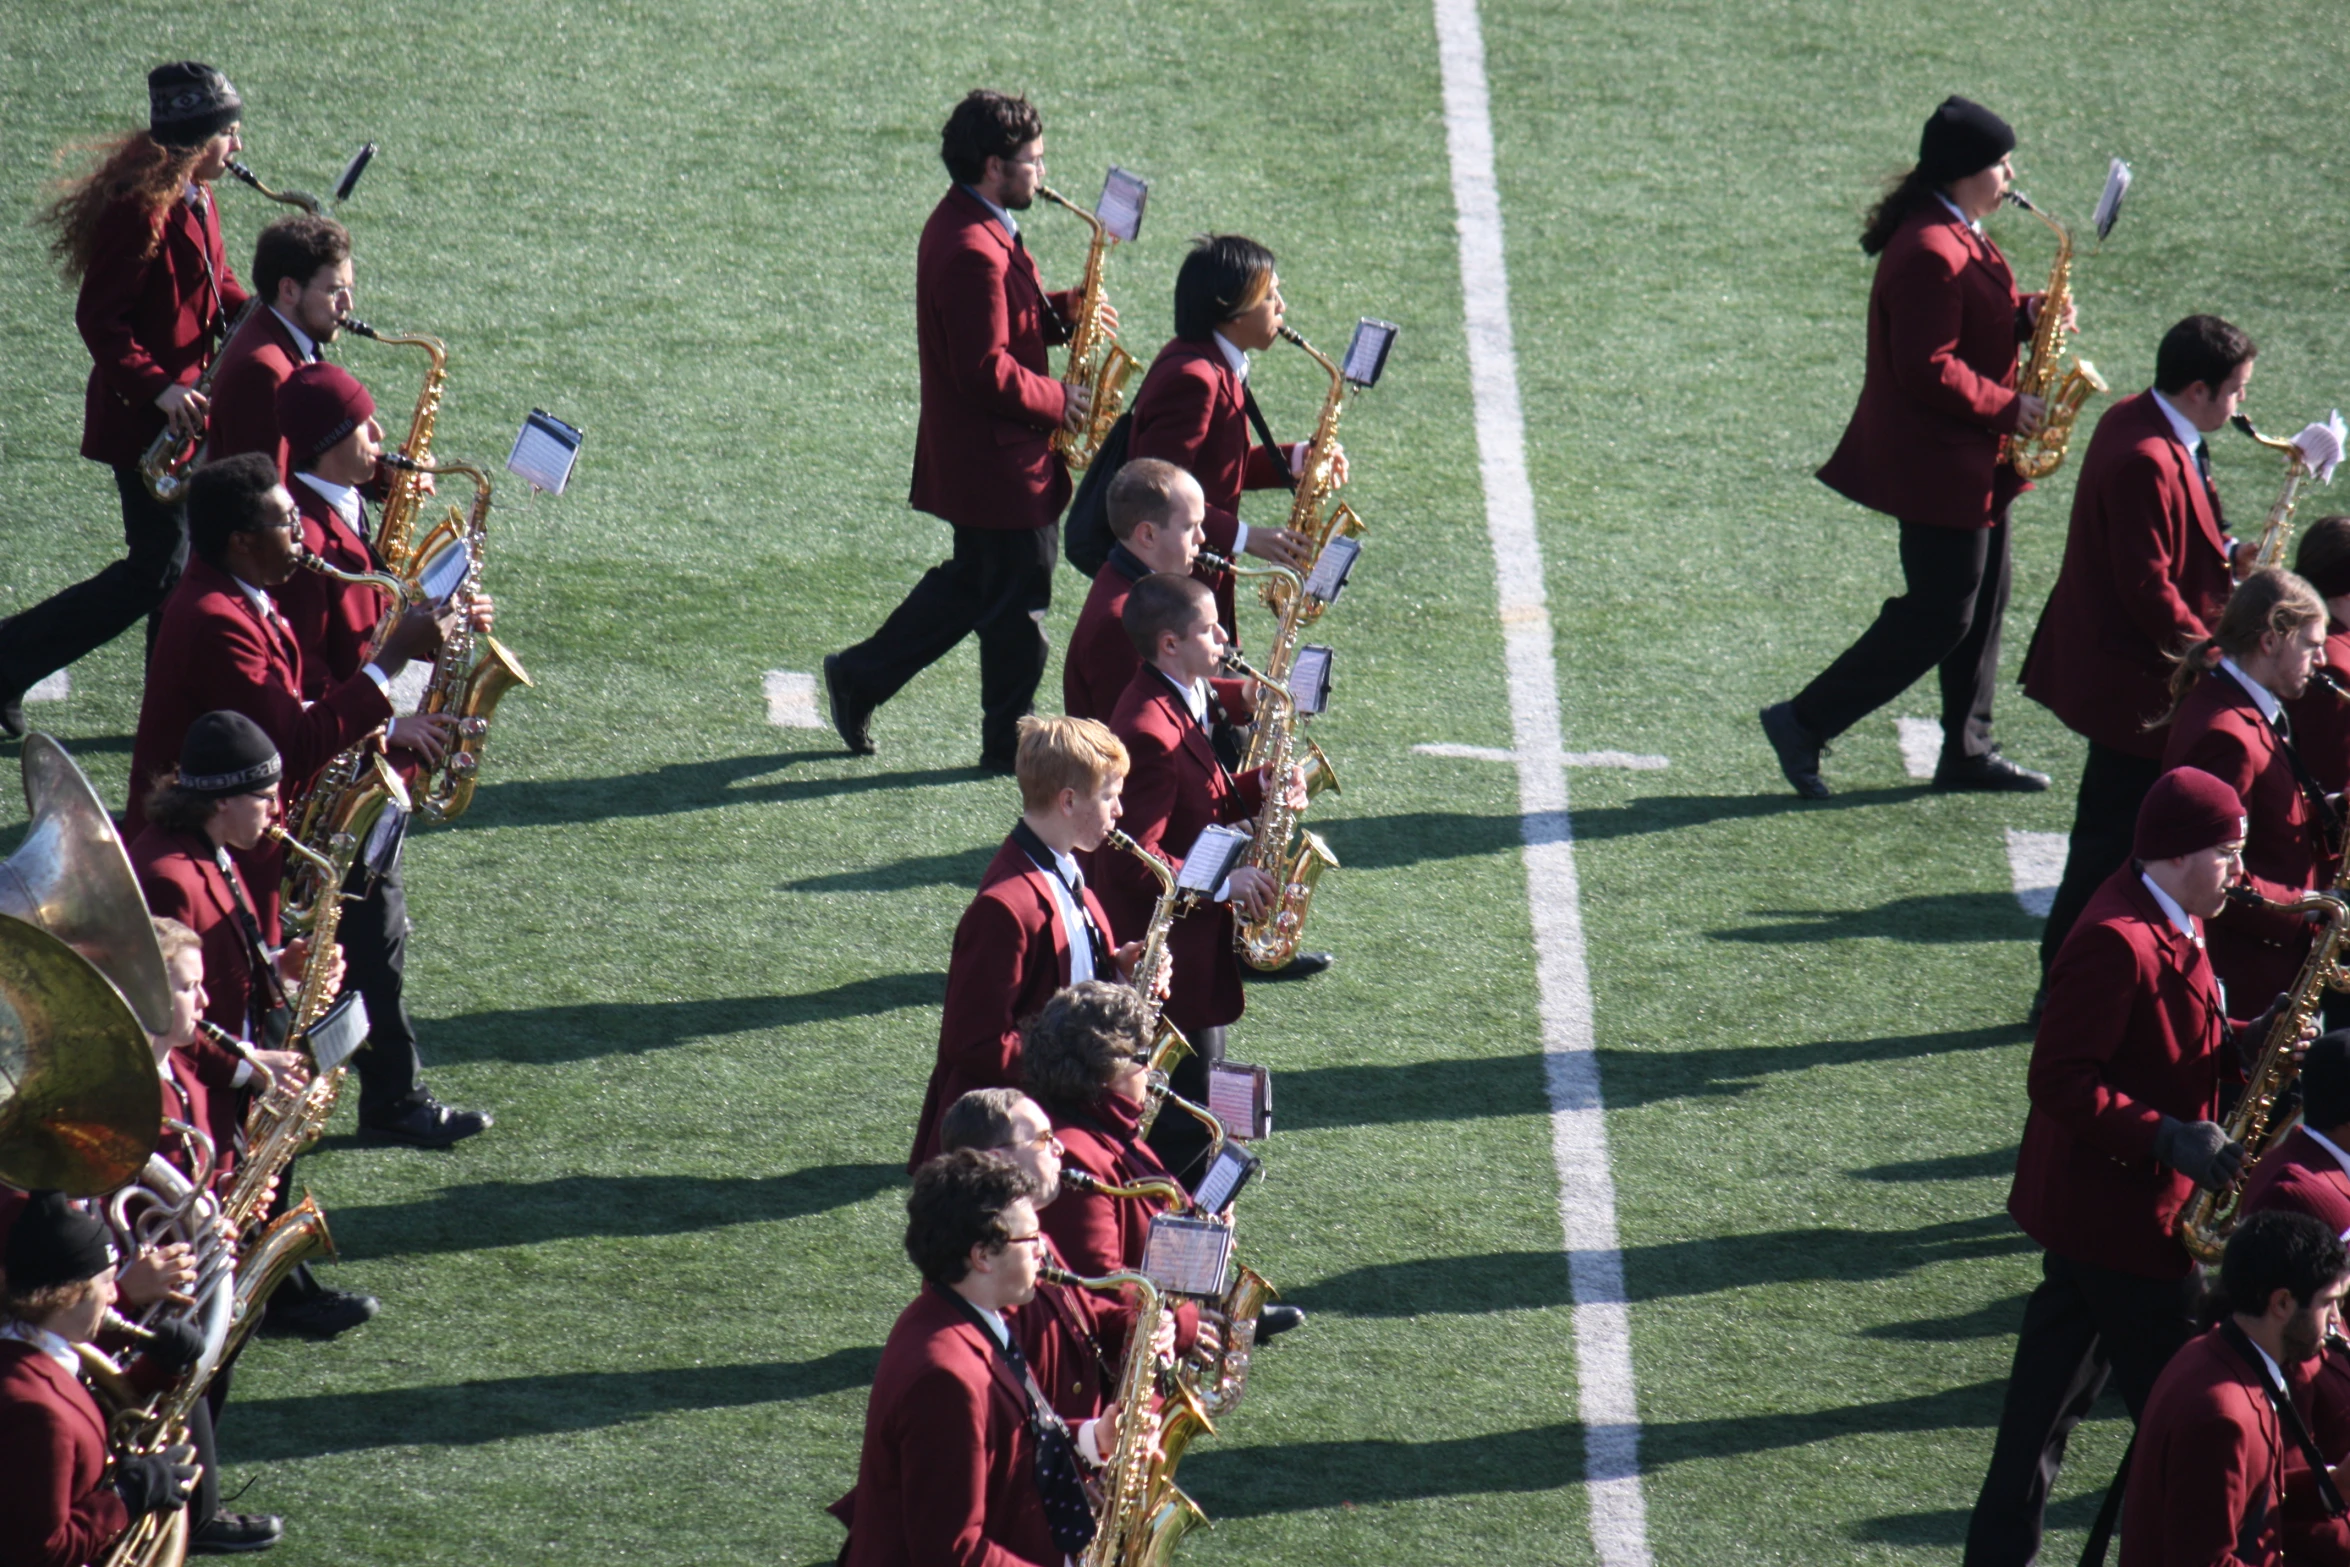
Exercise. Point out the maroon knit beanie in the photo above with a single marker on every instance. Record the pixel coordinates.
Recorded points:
(2187, 810)
(318, 406)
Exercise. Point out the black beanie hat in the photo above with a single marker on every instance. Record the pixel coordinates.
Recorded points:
(1962, 138)
(226, 754)
(55, 1243)
(189, 103)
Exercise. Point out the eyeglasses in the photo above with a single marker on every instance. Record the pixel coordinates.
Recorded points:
(1036, 1240)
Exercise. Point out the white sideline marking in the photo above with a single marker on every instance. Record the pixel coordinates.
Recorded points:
(791, 701)
(1467, 753)
(2036, 862)
(1631, 760)
(50, 688)
(1921, 745)
(1607, 1403)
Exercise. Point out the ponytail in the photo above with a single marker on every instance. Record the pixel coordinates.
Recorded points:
(2268, 601)
(1904, 194)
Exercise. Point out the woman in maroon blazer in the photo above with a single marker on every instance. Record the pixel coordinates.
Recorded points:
(1923, 447)
(139, 234)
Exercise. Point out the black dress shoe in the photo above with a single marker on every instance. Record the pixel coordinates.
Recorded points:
(1304, 965)
(230, 1534)
(1277, 1319)
(322, 1316)
(849, 716)
(1799, 752)
(1990, 773)
(12, 722)
(1000, 764)
(428, 1124)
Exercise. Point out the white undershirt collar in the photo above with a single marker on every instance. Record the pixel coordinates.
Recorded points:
(1234, 356)
(2170, 907)
(50, 1344)
(342, 497)
(2262, 696)
(302, 339)
(1974, 226)
(2181, 430)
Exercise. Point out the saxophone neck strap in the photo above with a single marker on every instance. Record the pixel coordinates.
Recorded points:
(1256, 417)
(266, 979)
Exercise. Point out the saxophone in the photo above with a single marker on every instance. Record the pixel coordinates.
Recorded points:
(2207, 1221)
(462, 688)
(2041, 453)
(1269, 942)
(1220, 1381)
(1096, 360)
(1311, 517)
(168, 457)
(1143, 1512)
(396, 526)
(2278, 529)
(1284, 593)
(291, 197)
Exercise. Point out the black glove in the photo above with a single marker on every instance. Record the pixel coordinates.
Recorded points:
(2250, 1037)
(2200, 1151)
(178, 1344)
(156, 1482)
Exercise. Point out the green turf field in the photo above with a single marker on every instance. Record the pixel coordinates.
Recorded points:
(692, 961)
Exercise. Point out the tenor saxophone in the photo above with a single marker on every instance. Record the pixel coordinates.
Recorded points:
(1096, 359)
(2044, 374)
(395, 530)
(1311, 516)
(1270, 941)
(168, 457)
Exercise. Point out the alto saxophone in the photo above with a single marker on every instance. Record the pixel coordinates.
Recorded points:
(2207, 1221)
(1270, 941)
(1096, 359)
(1220, 1381)
(168, 457)
(395, 528)
(1311, 516)
(2041, 453)
(2277, 531)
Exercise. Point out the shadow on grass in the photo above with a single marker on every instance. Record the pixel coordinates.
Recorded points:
(1927, 920)
(961, 869)
(1950, 1167)
(274, 1430)
(678, 787)
(1332, 1096)
(1300, 1477)
(1947, 1526)
(481, 1215)
(1999, 1318)
(609, 1028)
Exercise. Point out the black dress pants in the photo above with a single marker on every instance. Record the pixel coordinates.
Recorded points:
(998, 583)
(2083, 1325)
(1956, 582)
(1177, 1137)
(82, 618)
(374, 937)
(2105, 818)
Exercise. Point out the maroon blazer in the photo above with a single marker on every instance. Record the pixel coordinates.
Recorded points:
(216, 651)
(205, 1094)
(2132, 1032)
(1100, 1234)
(155, 297)
(58, 1509)
(2219, 729)
(983, 454)
(182, 881)
(1100, 660)
(2321, 720)
(1075, 1342)
(1174, 787)
(947, 1477)
(2145, 573)
(2300, 1177)
(1010, 955)
(334, 622)
(1189, 411)
(1939, 388)
(2214, 1478)
(252, 367)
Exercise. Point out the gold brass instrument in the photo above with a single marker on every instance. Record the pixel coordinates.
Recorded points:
(1220, 1381)
(1142, 1513)
(2205, 1224)
(395, 527)
(292, 198)
(80, 1106)
(1085, 1181)
(2041, 453)
(462, 688)
(168, 457)
(1311, 516)
(2277, 531)
(350, 797)
(1096, 360)
(1167, 1044)
(1284, 594)
(1270, 941)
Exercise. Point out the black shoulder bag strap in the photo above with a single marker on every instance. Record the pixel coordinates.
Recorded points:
(2323, 819)
(271, 1021)
(1256, 417)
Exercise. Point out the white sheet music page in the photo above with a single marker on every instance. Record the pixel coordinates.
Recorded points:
(1120, 208)
(1211, 859)
(544, 452)
(1330, 570)
(1309, 679)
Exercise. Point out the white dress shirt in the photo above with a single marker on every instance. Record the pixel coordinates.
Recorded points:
(302, 339)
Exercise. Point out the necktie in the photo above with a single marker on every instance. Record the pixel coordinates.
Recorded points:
(2203, 462)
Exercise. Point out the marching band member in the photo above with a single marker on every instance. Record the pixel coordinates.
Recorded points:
(2148, 565)
(302, 270)
(2230, 690)
(334, 447)
(1177, 787)
(983, 457)
(2125, 1082)
(2308, 1171)
(63, 1504)
(1035, 925)
(953, 1468)
(2320, 716)
(2218, 1472)
(1194, 408)
(141, 236)
(1923, 447)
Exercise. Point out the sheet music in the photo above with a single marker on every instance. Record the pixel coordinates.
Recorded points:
(1237, 1096)
(336, 1037)
(1366, 356)
(2109, 203)
(1309, 680)
(1187, 1256)
(1211, 859)
(544, 452)
(1328, 578)
(1123, 197)
(1224, 1180)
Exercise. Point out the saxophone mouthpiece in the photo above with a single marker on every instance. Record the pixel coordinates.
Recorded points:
(2019, 199)
(1213, 561)
(2325, 679)
(356, 327)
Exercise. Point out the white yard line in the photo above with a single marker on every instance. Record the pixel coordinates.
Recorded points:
(50, 688)
(1632, 761)
(1608, 1404)
(791, 700)
(1921, 745)
(2035, 860)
